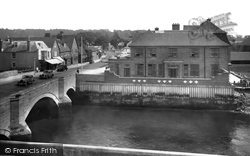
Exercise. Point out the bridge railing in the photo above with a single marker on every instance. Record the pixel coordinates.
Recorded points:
(56, 149)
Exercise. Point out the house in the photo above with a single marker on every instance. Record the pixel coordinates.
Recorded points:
(195, 52)
(64, 52)
(52, 43)
(21, 55)
(70, 41)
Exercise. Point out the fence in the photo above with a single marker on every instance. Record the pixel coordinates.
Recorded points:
(197, 91)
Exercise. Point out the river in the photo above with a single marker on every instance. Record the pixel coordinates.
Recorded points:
(211, 132)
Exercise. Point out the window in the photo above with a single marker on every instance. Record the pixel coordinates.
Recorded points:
(214, 52)
(117, 69)
(152, 52)
(43, 55)
(13, 64)
(194, 70)
(138, 52)
(161, 70)
(214, 69)
(13, 55)
(126, 72)
(173, 52)
(151, 70)
(139, 70)
(194, 52)
(185, 70)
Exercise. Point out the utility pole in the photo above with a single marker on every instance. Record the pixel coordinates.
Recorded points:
(81, 53)
(34, 65)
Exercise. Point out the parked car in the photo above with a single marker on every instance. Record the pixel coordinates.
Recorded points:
(46, 74)
(26, 79)
(62, 68)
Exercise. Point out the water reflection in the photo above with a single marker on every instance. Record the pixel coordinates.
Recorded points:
(172, 130)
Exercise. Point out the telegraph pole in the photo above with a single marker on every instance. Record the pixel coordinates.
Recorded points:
(34, 65)
(81, 53)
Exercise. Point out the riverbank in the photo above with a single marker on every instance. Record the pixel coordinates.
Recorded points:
(243, 100)
(154, 101)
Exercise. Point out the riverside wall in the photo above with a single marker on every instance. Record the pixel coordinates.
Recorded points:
(112, 90)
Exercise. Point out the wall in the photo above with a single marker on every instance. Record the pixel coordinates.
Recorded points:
(110, 89)
(5, 61)
(220, 80)
(4, 116)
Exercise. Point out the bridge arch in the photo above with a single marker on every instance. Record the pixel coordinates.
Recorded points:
(37, 99)
(5, 134)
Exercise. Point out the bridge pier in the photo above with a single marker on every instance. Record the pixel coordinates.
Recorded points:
(19, 130)
(65, 103)
(65, 107)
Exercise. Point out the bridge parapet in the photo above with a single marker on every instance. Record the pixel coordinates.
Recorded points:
(56, 149)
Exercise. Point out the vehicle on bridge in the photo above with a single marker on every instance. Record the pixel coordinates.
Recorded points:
(26, 79)
(46, 74)
(62, 68)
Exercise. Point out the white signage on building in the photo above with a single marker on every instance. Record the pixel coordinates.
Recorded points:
(222, 21)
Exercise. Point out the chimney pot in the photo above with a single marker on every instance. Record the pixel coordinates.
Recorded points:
(175, 26)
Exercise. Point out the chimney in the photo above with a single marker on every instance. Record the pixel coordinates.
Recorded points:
(28, 43)
(60, 35)
(1, 45)
(47, 35)
(175, 26)
(156, 29)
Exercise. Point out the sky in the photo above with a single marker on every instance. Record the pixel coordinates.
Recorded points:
(118, 14)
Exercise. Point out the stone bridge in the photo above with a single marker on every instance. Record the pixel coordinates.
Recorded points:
(15, 108)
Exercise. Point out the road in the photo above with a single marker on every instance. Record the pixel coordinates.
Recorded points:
(9, 87)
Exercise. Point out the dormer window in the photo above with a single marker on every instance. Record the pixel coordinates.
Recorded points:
(40, 44)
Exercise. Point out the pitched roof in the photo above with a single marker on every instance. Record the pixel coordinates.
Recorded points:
(207, 34)
(21, 46)
(175, 38)
(62, 46)
(69, 39)
(246, 41)
(49, 41)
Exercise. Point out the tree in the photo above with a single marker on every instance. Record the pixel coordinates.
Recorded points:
(115, 40)
(103, 41)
